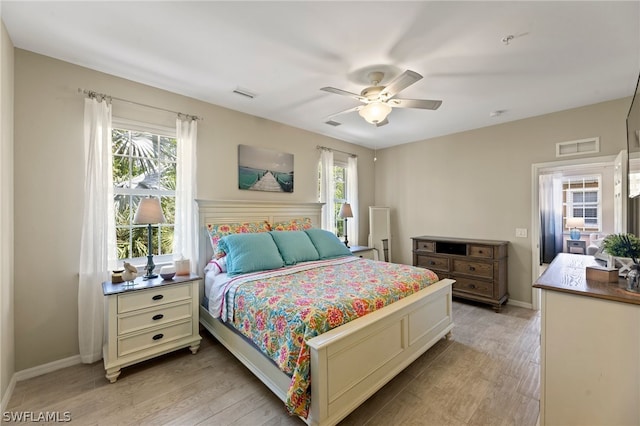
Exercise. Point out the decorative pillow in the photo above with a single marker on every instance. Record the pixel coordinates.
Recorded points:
(298, 224)
(217, 266)
(217, 231)
(294, 246)
(250, 252)
(327, 244)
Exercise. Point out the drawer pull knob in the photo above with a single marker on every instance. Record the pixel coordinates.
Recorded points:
(158, 336)
(157, 297)
(158, 317)
(472, 286)
(480, 251)
(471, 268)
(431, 262)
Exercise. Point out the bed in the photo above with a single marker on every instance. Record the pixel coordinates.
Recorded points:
(391, 337)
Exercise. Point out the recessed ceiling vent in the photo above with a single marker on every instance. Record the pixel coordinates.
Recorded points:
(332, 123)
(245, 93)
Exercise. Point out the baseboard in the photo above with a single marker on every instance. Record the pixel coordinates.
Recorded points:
(30, 373)
(7, 395)
(520, 304)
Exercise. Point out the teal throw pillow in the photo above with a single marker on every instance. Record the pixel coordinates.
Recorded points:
(327, 244)
(250, 253)
(294, 246)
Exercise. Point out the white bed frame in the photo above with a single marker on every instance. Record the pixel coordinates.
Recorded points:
(351, 362)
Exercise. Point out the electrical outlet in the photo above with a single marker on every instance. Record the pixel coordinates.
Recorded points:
(521, 232)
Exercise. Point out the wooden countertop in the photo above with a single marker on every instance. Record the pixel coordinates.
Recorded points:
(567, 274)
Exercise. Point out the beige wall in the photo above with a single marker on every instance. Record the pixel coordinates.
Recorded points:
(477, 184)
(7, 365)
(49, 184)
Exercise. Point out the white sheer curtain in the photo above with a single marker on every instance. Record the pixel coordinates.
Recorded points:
(185, 240)
(352, 198)
(327, 190)
(98, 244)
(550, 191)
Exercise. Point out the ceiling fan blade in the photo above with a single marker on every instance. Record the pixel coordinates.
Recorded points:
(358, 108)
(400, 83)
(382, 123)
(344, 93)
(415, 103)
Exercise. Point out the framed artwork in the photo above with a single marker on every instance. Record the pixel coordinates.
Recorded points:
(261, 169)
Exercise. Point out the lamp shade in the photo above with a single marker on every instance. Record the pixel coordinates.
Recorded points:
(149, 211)
(345, 211)
(575, 222)
(375, 112)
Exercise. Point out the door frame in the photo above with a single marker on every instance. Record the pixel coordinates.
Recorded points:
(536, 170)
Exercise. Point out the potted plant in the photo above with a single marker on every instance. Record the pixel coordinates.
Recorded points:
(628, 246)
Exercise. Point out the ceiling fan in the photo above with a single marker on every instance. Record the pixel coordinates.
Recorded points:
(378, 101)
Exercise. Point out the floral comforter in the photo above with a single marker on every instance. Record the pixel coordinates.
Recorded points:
(280, 310)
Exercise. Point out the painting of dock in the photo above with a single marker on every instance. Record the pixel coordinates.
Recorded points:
(261, 169)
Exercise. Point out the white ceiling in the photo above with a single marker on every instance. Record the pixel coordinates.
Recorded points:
(564, 54)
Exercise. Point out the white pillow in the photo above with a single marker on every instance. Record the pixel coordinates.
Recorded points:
(217, 266)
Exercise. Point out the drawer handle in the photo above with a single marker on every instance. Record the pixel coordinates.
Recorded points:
(472, 286)
(480, 251)
(472, 268)
(158, 317)
(431, 262)
(157, 297)
(158, 336)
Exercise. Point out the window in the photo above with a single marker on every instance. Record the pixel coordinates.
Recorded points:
(340, 181)
(581, 197)
(144, 164)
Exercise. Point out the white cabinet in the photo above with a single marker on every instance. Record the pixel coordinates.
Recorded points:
(589, 348)
(148, 319)
(380, 231)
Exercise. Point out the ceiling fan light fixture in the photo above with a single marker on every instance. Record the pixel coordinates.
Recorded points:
(375, 112)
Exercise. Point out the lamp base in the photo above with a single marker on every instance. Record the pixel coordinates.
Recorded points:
(149, 277)
(574, 234)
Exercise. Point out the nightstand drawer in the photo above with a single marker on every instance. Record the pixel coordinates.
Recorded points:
(478, 269)
(155, 337)
(480, 251)
(128, 302)
(153, 317)
(435, 263)
(473, 286)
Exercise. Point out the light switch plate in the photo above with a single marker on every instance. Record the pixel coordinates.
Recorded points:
(521, 232)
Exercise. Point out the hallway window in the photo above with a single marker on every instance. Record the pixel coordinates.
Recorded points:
(582, 197)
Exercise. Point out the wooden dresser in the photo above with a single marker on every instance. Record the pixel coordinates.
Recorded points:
(478, 266)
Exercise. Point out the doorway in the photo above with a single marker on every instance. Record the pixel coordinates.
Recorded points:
(612, 169)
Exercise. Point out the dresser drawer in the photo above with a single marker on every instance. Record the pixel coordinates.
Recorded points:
(435, 263)
(480, 251)
(467, 285)
(140, 320)
(155, 337)
(478, 269)
(429, 246)
(135, 300)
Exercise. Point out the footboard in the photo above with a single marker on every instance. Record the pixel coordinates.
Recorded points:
(350, 363)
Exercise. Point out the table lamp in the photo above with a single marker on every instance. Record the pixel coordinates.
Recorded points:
(149, 212)
(345, 212)
(573, 223)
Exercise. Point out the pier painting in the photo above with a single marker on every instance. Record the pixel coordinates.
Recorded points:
(261, 169)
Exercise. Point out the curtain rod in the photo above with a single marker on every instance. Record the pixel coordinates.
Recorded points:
(93, 94)
(336, 150)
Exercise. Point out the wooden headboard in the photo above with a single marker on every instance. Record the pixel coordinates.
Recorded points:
(228, 211)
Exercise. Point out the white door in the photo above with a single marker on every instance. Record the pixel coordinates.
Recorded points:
(620, 193)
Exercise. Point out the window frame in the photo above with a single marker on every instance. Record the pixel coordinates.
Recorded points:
(568, 203)
(339, 223)
(158, 130)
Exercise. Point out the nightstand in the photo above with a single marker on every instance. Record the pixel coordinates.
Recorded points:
(364, 252)
(577, 246)
(149, 318)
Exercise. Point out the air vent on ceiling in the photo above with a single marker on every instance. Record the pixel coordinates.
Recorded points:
(579, 147)
(244, 92)
(332, 123)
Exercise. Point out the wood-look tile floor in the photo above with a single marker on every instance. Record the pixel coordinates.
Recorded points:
(488, 374)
